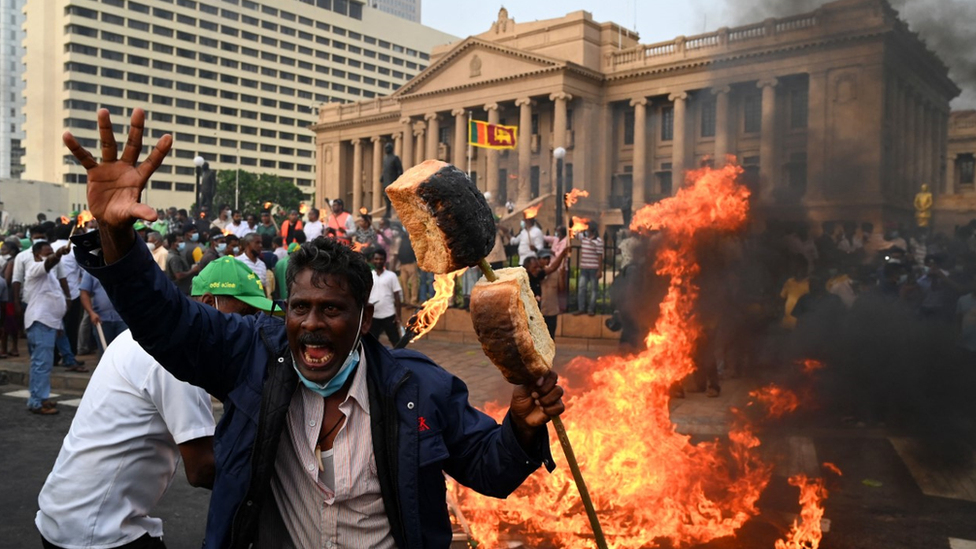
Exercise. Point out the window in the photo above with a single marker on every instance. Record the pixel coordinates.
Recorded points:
(186, 120)
(106, 90)
(628, 126)
(186, 19)
(708, 107)
(799, 99)
(82, 67)
(134, 6)
(113, 55)
(186, 104)
(113, 19)
(83, 31)
(752, 113)
(206, 8)
(138, 60)
(664, 183)
(162, 99)
(138, 25)
(189, 71)
(162, 82)
(162, 14)
(162, 48)
(162, 65)
(796, 173)
(136, 95)
(966, 169)
(667, 123)
(208, 25)
(162, 31)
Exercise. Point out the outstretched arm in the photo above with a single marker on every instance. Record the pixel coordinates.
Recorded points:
(115, 183)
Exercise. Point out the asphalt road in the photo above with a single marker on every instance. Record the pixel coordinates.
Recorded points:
(29, 445)
(884, 500)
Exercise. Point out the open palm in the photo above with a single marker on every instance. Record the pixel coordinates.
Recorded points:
(115, 184)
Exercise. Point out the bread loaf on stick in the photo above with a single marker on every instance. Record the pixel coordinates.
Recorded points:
(450, 223)
(510, 326)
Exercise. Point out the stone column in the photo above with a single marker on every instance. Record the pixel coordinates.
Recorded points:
(919, 143)
(420, 152)
(767, 143)
(524, 150)
(559, 118)
(640, 151)
(491, 157)
(357, 175)
(721, 124)
(898, 139)
(459, 150)
(398, 145)
(377, 172)
(947, 184)
(951, 174)
(407, 157)
(678, 141)
(816, 137)
(433, 134)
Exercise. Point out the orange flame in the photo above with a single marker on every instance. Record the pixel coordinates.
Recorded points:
(573, 196)
(226, 231)
(359, 246)
(808, 531)
(363, 210)
(579, 225)
(434, 307)
(778, 401)
(267, 205)
(84, 217)
(810, 365)
(648, 481)
(530, 213)
(65, 220)
(302, 208)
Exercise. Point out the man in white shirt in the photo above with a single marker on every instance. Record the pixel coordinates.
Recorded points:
(251, 256)
(132, 426)
(313, 227)
(46, 305)
(236, 226)
(385, 298)
(529, 241)
(120, 455)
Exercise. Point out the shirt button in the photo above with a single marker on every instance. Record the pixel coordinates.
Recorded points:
(311, 467)
(281, 359)
(410, 406)
(311, 423)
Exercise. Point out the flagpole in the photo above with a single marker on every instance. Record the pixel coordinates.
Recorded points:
(469, 144)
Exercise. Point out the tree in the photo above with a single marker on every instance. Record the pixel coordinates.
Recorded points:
(255, 190)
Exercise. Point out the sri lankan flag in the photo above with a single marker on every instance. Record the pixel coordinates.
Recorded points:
(491, 136)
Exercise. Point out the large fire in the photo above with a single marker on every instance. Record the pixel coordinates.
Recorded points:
(84, 217)
(579, 225)
(649, 482)
(808, 531)
(434, 307)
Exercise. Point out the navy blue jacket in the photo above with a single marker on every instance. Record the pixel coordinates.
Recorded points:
(245, 362)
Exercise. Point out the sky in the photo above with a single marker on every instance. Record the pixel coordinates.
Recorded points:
(660, 20)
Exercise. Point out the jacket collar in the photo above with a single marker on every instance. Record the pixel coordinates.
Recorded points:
(385, 371)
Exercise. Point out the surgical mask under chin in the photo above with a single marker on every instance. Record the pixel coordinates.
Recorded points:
(236, 250)
(522, 223)
(151, 246)
(195, 237)
(348, 367)
(221, 247)
(181, 246)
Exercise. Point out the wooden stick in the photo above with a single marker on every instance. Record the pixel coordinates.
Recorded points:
(557, 423)
(101, 336)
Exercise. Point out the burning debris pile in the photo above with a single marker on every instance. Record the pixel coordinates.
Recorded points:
(649, 482)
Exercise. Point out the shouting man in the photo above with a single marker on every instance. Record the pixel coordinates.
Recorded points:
(327, 438)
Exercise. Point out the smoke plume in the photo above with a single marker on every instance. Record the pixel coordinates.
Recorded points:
(946, 26)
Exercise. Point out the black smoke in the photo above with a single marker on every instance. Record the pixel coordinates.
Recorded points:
(946, 26)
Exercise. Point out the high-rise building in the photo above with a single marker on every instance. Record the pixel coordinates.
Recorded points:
(11, 87)
(235, 81)
(407, 9)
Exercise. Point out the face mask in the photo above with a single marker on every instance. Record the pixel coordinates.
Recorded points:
(903, 279)
(348, 366)
(195, 237)
(522, 223)
(151, 245)
(221, 247)
(181, 246)
(36, 240)
(236, 250)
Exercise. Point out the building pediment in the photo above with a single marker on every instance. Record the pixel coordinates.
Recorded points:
(475, 61)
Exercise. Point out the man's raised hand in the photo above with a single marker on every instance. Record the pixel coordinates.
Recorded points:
(115, 184)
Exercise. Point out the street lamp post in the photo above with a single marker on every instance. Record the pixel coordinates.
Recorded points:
(198, 162)
(559, 153)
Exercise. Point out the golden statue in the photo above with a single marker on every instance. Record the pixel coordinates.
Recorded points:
(923, 206)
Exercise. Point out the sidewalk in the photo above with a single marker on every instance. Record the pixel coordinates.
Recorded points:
(694, 415)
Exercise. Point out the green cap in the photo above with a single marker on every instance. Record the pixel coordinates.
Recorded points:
(228, 276)
(139, 226)
(293, 247)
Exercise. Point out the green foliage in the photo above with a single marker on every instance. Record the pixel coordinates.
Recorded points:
(255, 190)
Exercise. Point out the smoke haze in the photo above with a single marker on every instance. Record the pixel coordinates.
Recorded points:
(947, 27)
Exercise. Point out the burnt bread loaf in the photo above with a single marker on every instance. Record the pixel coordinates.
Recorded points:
(510, 327)
(450, 223)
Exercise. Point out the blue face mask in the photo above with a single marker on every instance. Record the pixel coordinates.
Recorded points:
(181, 246)
(221, 247)
(348, 367)
(194, 237)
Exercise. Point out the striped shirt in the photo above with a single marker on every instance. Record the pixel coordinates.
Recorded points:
(349, 514)
(591, 250)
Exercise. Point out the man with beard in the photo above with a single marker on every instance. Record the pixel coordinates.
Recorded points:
(326, 435)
